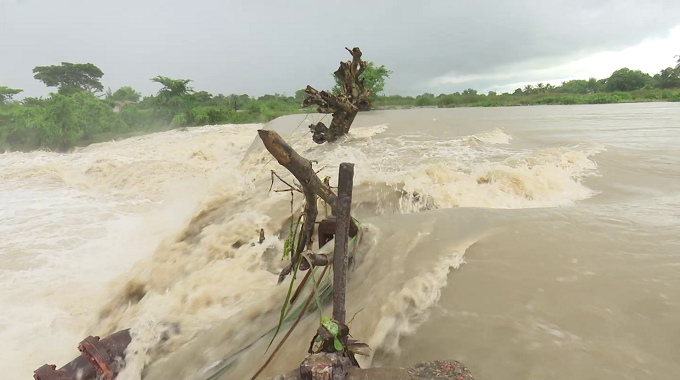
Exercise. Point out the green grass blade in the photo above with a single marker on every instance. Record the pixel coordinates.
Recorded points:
(285, 303)
(316, 289)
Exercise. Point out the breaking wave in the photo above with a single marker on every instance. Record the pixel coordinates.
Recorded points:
(214, 269)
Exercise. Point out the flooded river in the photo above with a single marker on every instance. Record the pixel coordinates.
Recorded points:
(526, 242)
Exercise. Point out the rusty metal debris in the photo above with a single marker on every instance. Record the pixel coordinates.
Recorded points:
(327, 230)
(100, 359)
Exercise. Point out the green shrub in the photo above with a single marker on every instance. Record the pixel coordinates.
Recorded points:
(200, 116)
(61, 127)
(602, 99)
(425, 101)
(179, 120)
(490, 103)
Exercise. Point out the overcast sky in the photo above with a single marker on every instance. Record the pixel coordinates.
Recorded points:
(259, 47)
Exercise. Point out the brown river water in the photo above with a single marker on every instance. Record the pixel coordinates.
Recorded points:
(528, 242)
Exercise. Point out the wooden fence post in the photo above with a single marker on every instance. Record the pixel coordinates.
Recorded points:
(340, 257)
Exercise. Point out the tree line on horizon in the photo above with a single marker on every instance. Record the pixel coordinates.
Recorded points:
(81, 111)
(623, 85)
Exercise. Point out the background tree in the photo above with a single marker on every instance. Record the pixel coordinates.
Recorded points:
(70, 78)
(32, 101)
(667, 78)
(595, 85)
(300, 95)
(626, 79)
(469, 91)
(575, 86)
(426, 99)
(240, 101)
(374, 78)
(7, 93)
(201, 97)
(125, 93)
(174, 97)
(172, 87)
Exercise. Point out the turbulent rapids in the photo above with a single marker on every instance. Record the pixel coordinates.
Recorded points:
(475, 223)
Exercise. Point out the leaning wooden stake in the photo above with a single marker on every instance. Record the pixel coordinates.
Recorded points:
(331, 357)
(340, 257)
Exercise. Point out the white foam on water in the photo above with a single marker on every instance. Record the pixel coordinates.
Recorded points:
(101, 214)
(70, 223)
(407, 308)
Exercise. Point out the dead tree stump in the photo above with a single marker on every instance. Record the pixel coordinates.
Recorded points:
(353, 97)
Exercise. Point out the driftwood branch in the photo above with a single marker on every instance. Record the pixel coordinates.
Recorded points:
(306, 237)
(291, 187)
(318, 260)
(299, 166)
(312, 187)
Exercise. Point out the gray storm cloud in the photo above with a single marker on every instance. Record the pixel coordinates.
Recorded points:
(259, 47)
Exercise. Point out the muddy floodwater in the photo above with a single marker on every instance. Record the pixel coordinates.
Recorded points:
(527, 242)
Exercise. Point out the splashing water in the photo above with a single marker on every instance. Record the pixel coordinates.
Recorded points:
(160, 234)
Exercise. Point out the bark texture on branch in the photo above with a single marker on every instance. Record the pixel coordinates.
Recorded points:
(299, 166)
(306, 238)
(353, 98)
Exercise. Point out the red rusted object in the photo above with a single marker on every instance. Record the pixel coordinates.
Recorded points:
(49, 372)
(327, 230)
(99, 359)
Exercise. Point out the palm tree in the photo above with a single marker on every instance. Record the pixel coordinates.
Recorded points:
(172, 87)
(173, 94)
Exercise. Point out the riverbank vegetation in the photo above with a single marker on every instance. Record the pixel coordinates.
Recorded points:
(529, 99)
(80, 112)
(77, 115)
